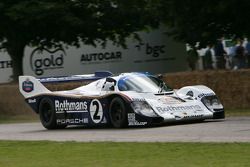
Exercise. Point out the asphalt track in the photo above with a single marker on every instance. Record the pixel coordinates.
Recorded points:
(234, 129)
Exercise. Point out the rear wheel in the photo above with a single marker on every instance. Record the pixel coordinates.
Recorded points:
(47, 115)
(118, 113)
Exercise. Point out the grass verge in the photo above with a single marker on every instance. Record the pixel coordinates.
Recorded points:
(18, 118)
(64, 154)
(237, 112)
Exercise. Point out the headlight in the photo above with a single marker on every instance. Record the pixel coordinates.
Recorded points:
(215, 101)
(143, 108)
(207, 102)
(212, 102)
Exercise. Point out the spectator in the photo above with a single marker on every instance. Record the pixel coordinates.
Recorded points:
(192, 58)
(231, 56)
(220, 54)
(240, 56)
(208, 58)
(248, 54)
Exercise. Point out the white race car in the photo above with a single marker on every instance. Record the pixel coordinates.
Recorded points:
(128, 99)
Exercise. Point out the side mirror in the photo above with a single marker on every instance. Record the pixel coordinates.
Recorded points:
(160, 76)
(111, 80)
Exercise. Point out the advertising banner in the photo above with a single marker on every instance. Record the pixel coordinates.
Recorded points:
(155, 53)
(5, 66)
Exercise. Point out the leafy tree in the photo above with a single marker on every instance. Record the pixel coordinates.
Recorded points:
(51, 22)
(205, 21)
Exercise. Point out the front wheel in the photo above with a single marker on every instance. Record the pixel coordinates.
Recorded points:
(118, 113)
(47, 115)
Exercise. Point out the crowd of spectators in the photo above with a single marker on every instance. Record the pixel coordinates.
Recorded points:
(220, 56)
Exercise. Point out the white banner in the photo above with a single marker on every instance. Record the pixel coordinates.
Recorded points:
(5, 66)
(156, 53)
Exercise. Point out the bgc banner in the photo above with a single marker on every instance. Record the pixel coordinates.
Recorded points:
(155, 53)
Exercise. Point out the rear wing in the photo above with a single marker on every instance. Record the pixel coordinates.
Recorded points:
(87, 77)
(30, 86)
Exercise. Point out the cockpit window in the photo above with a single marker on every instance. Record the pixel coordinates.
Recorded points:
(142, 83)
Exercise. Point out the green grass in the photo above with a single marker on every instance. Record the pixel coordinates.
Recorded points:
(18, 118)
(65, 154)
(237, 112)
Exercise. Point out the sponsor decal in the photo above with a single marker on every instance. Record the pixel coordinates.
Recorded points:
(72, 121)
(205, 94)
(193, 116)
(138, 99)
(42, 59)
(101, 57)
(5, 64)
(163, 110)
(133, 122)
(179, 116)
(169, 100)
(28, 86)
(96, 111)
(69, 107)
(32, 101)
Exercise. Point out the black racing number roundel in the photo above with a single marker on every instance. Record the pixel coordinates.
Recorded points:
(96, 111)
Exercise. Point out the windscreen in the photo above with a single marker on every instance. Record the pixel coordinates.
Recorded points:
(142, 83)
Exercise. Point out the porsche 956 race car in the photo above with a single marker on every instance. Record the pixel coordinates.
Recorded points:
(128, 99)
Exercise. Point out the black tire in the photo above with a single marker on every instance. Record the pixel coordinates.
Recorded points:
(47, 114)
(118, 113)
